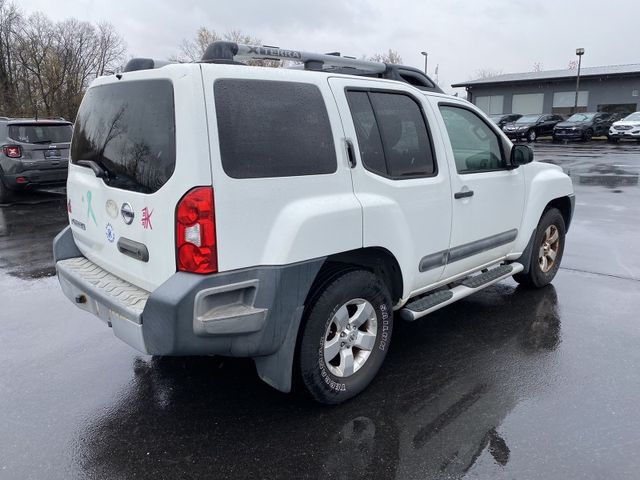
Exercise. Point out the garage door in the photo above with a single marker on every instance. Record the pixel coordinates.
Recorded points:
(491, 105)
(527, 103)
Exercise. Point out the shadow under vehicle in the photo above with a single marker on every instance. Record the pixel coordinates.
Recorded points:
(456, 378)
(583, 126)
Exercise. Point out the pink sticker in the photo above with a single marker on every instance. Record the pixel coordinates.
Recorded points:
(146, 218)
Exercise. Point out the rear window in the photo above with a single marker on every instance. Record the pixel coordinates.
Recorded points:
(129, 129)
(273, 129)
(40, 133)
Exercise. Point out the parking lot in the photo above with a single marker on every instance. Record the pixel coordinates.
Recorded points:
(509, 383)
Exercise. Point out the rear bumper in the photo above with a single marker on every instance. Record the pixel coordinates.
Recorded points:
(36, 178)
(252, 312)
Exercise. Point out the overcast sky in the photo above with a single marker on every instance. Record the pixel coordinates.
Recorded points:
(461, 36)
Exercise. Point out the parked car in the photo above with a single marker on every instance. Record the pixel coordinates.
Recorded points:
(501, 120)
(35, 153)
(582, 126)
(530, 127)
(300, 247)
(628, 127)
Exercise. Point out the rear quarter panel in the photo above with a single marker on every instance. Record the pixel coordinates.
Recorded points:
(281, 220)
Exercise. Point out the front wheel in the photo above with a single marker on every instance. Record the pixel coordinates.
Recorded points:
(531, 136)
(586, 136)
(345, 337)
(548, 247)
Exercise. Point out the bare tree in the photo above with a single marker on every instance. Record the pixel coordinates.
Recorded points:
(537, 67)
(484, 73)
(46, 66)
(193, 50)
(573, 65)
(10, 19)
(391, 56)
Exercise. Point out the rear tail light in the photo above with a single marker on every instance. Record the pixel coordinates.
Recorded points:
(12, 151)
(196, 249)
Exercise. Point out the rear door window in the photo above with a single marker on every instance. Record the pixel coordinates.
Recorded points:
(273, 129)
(392, 134)
(40, 133)
(129, 129)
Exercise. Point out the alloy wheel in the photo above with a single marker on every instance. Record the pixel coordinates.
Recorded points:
(350, 337)
(549, 248)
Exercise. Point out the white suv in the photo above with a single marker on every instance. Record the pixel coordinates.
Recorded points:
(628, 127)
(292, 215)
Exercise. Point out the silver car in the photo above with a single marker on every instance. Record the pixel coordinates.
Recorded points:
(34, 153)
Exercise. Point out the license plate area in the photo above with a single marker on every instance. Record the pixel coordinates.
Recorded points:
(53, 153)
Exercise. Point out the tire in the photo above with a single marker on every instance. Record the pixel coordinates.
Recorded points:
(555, 139)
(353, 299)
(531, 136)
(586, 136)
(612, 140)
(543, 266)
(5, 193)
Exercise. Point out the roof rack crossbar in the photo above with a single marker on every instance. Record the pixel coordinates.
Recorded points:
(311, 61)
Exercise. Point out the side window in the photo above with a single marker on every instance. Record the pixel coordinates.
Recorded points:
(369, 140)
(273, 129)
(476, 147)
(392, 134)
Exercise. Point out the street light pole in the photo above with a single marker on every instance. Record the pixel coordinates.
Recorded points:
(579, 53)
(425, 61)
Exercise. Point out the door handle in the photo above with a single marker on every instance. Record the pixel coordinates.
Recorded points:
(351, 154)
(463, 194)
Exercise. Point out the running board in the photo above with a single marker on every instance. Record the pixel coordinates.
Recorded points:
(431, 302)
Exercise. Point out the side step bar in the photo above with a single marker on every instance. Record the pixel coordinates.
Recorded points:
(431, 302)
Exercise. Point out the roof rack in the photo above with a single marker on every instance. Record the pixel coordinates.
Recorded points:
(228, 51)
(231, 52)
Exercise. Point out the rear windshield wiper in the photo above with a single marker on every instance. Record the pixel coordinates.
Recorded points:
(98, 169)
(41, 141)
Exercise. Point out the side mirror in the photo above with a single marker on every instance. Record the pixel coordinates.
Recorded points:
(521, 155)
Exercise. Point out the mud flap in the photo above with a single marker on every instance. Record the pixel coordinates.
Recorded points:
(525, 258)
(277, 369)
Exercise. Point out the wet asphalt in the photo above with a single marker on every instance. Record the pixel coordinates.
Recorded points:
(509, 383)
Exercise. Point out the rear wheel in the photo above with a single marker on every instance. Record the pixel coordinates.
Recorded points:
(345, 337)
(548, 247)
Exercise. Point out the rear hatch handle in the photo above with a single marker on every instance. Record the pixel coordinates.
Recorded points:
(95, 166)
(133, 249)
